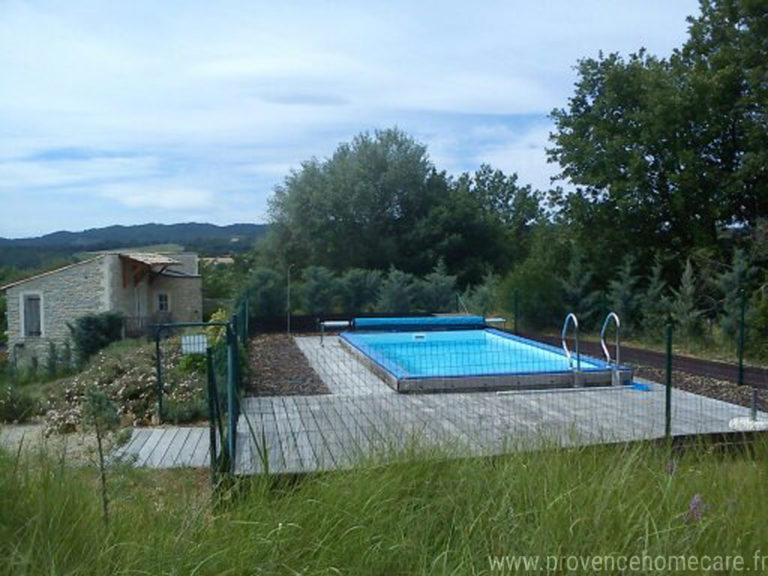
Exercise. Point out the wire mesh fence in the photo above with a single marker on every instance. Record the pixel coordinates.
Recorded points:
(488, 392)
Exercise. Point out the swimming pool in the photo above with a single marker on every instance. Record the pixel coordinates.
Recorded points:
(439, 355)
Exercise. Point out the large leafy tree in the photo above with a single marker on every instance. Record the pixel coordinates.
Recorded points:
(378, 201)
(665, 153)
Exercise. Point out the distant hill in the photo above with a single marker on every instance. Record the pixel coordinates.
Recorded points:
(207, 239)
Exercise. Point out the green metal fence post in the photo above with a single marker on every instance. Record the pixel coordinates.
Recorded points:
(668, 395)
(212, 409)
(741, 336)
(232, 392)
(159, 376)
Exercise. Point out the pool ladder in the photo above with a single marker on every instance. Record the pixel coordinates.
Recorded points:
(614, 365)
(572, 319)
(615, 377)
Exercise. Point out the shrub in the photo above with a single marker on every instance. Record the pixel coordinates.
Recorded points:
(52, 360)
(93, 332)
(482, 298)
(318, 289)
(16, 404)
(577, 292)
(438, 290)
(359, 289)
(538, 292)
(396, 293)
(266, 293)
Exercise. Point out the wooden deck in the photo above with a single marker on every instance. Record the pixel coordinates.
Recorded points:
(170, 447)
(312, 433)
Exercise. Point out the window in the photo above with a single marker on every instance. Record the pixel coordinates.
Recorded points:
(32, 320)
(163, 304)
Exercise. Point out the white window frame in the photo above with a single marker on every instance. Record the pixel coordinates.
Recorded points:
(157, 302)
(22, 320)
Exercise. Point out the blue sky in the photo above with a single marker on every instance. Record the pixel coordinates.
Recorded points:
(133, 112)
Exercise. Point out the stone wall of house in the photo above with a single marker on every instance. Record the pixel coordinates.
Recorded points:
(185, 296)
(66, 295)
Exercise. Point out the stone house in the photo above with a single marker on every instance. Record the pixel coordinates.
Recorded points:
(145, 288)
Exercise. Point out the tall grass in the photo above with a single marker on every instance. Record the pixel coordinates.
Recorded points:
(430, 516)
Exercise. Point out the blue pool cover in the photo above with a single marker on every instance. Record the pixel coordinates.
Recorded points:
(419, 323)
(456, 353)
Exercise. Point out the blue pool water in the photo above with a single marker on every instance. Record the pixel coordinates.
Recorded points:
(451, 353)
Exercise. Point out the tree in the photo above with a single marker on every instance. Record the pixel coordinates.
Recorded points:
(396, 293)
(684, 308)
(655, 305)
(265, 290)
(356, 208)
(481, 299)
(318, 290)
(670, 151)
(622, 294)
(93, 332)
(730, 284)
(358, 289)
(438, 290)
(578, 294)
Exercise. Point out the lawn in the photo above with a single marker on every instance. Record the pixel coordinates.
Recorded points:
(424, 515)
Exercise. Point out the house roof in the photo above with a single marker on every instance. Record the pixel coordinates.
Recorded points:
(146, 258)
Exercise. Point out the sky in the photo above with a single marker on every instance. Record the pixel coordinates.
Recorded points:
(147, 111)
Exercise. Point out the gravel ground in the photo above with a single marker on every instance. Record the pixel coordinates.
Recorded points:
(77, 448)
(710, 387)
(279, 368)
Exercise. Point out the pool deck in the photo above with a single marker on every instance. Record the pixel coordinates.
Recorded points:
(363, 417)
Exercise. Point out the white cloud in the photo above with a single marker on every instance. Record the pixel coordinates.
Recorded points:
(153, 194)
(219, 101)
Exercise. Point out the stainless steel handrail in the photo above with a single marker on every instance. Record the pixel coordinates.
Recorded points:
(571, 318)
(615, 317)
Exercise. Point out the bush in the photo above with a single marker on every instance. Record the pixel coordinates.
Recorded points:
(539, 295)
(16, 404)
(318, 290)
(438, 290)
(359, 289)
(266, 293)
(482, 298)
(396, 293)
(94, 332)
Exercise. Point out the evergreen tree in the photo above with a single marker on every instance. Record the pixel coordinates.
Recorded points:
(684, 308)
(577, 292)
(730, 284)
(655, 302)
(359, 289)
(622, 295)
(396, 293)
(318, 290)
(438, 290)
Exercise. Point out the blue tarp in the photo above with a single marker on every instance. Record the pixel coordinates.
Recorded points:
(420, 323)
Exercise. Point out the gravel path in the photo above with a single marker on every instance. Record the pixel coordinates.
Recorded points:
(710, 387)
(78, 448)
(279, 368)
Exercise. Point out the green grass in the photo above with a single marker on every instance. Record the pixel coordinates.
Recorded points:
(431, 516)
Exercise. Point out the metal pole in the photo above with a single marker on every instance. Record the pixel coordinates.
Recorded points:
(159, 376)
(212, 406)
(668, 395)
(288, 301)
(741, 336)
(753, 405)
(231, 393)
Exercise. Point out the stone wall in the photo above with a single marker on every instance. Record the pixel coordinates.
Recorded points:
(66, 295)
(185, 295)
